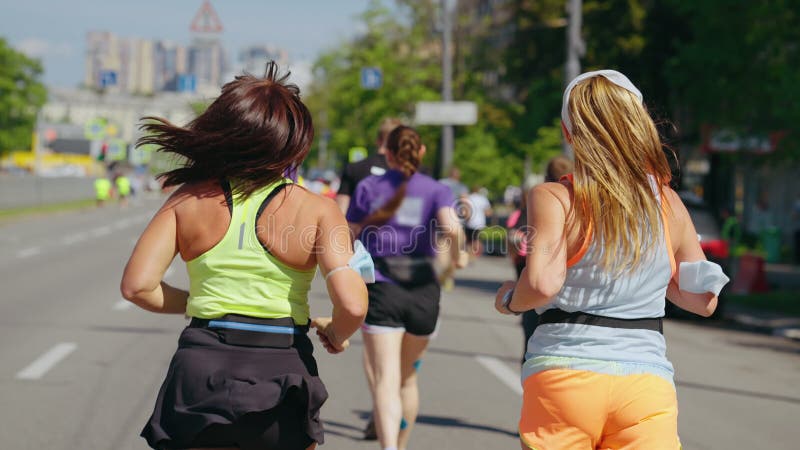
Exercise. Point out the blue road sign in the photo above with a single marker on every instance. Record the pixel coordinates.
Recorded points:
(371, 77)
(108, 78)
(187, 83)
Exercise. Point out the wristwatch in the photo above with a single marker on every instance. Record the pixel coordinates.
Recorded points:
(507, 300)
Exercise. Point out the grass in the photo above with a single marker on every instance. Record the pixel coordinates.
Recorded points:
(25, 211)
(785, 302)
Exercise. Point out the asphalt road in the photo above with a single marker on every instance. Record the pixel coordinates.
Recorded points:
(81, 367)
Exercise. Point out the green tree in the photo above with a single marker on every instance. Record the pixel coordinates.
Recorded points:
(398, 43)
(21, 96)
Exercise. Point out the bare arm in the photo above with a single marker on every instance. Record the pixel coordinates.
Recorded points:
(343, 201)
(546, 262)
(347, 290)
(688, 250)
(142, 279)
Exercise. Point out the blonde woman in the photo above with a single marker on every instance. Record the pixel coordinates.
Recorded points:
(610, 243)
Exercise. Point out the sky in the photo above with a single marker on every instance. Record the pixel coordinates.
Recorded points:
(55, 30)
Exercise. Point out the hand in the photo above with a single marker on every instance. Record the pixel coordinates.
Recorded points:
(324, 326)
(498, 300)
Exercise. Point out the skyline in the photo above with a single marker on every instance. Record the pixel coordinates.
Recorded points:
(61, 45)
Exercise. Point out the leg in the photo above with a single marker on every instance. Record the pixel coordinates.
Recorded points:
(369, 431)
(383, 351)
(412, 349)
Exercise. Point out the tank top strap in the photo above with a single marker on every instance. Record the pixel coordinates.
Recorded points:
(245, 211)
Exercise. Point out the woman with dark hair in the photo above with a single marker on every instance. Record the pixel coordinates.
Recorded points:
(397, 216)
(243, 375)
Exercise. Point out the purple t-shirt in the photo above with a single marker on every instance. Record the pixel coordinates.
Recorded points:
(411, 231)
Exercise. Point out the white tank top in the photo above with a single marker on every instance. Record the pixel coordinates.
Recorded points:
(589, 288)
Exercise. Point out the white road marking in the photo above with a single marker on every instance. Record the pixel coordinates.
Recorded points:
(44, 363)
(510, 378)
(74, 238)
(101, 231)
(24, 253)
(121, 224)
(122, 305)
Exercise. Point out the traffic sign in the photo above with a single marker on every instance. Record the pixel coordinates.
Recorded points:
(117, 150)
(108, 78)
(446, 113)
(95, 129)
(187, 83)
(371, 78)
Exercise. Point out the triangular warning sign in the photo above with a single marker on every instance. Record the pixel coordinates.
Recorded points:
(206, 20)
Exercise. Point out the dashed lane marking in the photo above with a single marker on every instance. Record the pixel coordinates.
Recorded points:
(47, 361)
(27, 252)
(122, 305)
(509, 377)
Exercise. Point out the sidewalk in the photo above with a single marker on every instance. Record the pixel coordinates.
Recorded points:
(488, 272)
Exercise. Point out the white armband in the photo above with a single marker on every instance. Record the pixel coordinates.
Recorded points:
(337, 269)
(700, 277)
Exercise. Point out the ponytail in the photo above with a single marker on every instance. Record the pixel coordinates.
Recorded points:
(404, 143)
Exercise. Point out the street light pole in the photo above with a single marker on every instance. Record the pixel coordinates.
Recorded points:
(575, 49)
(447, 82)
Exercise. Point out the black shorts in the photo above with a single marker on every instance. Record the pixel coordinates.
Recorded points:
(222, 395)
(471, 234)
(415, 308)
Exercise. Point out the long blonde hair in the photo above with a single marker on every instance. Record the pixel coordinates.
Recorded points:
(617, 150)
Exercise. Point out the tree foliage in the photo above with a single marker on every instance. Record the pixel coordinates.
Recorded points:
(400, 47)
(21, 96)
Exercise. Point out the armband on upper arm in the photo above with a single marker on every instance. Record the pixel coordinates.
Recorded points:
(700, 277)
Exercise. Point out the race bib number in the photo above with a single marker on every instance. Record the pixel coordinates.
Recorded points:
(410, 212)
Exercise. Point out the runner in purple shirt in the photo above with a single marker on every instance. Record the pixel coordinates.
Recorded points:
(412, 230)
(396, 216)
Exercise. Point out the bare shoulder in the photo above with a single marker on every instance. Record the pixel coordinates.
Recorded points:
(316, 205)
(677, 209)
(188, 195)
(550, 195)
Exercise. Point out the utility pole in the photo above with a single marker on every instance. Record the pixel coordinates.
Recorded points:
(448, 6)
(575, 49)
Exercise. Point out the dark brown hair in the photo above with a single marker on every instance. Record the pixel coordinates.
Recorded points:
(387, 126)
(557, 168)
(254, 132)
(404, 144)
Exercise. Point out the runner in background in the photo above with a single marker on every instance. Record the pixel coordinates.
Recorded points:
(123, 184)
(352, 174)
(460, 194)
(397, 215)
(102, 191)
(374, 164)
(479, 209)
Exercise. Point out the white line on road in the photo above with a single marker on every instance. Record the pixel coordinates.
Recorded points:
(122, 305)
(101, 231)
(509, 377)
(29, 252)
(74, 238)
(44, 363)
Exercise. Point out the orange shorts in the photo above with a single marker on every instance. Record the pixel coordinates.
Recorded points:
(578, 409)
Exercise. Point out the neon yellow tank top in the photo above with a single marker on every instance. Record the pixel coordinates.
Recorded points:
(239, 276)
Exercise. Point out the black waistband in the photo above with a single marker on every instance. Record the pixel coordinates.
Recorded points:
(249, 331)
(560, 316)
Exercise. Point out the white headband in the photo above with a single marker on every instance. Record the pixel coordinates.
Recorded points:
(611, 75)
